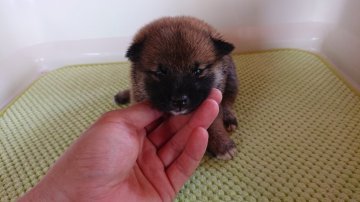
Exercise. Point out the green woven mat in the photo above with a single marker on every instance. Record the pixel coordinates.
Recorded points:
(298, 136)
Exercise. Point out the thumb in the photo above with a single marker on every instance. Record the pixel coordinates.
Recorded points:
(139, 115)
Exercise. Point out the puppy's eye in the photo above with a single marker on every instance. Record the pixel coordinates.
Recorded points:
(161, 71)
(196, 69)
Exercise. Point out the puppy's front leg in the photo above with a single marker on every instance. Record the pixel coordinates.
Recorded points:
(220, 145)
(229, 118)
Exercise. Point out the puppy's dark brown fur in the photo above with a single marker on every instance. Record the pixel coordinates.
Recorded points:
(176, 61)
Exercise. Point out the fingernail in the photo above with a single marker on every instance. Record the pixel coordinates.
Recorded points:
(218, 92)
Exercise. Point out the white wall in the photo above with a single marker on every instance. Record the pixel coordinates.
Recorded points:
(342, 43)
(39, 35)
(28, 22)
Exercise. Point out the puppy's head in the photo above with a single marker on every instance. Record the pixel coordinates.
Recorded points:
(179, 59)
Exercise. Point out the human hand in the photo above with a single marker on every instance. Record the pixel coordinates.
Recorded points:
(130, 155)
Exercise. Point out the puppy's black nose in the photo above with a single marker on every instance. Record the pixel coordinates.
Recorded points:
(180, 101)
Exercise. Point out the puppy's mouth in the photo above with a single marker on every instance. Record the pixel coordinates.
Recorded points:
(179, 111)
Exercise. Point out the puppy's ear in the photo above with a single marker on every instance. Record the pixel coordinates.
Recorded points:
(222, 47)
(134, 51)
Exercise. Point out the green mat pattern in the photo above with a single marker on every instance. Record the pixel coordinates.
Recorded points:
(298, 136)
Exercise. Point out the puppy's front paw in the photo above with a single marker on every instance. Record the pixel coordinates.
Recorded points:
(123, 97)
(226, 151)
(220, 144)
(230, 121)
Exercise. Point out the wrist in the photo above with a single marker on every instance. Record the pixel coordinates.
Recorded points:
(45, 190)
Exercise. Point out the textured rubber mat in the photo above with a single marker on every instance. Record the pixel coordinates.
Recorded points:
(298, 136)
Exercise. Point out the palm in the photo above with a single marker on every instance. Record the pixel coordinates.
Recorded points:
(159, 171)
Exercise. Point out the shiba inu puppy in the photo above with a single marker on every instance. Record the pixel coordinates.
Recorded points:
(175, 62)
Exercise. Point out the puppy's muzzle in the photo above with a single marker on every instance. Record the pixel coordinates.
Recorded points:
(180, 102)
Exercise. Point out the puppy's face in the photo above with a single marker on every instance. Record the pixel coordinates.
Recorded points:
(179, 64)
(179, 91)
